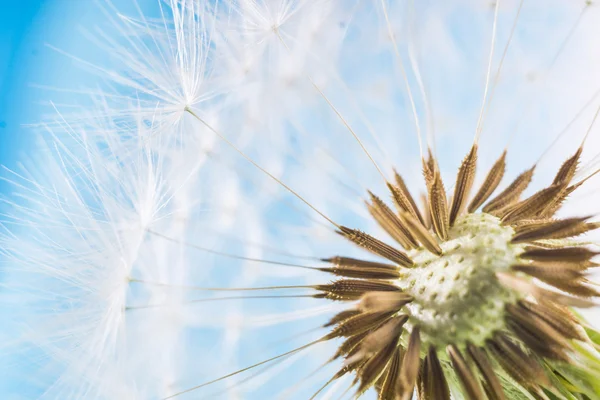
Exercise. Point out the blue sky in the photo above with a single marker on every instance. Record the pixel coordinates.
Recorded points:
(19, 52)
(26, 63)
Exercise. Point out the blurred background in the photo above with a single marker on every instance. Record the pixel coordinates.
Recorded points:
(25, 27)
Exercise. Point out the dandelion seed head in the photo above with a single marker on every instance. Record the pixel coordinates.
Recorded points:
(456, 296)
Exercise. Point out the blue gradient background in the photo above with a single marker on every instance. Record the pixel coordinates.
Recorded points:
(26, 63)
(29, 68)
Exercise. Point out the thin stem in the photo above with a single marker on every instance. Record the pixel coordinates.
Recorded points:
(404, 76)
(488, 74)
(216, 289)
(148, 306)
(229, 255)
(251, 161)
(337, 112)
(245, 369)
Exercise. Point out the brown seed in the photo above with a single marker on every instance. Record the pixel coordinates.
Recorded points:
(410, 366)
(520, 366)
(427, 214)
(358, 324)
(463, 372)
(347, 262)
(429, 168)
(376, 246)
(526, 287)
(526, 225)
(491, 182)
(492, 383)
(374, 367)
(419, 232)
(421, 389)
(350, 345)
(354, 268)
(568, 169)
(436, 386)
(403, 198)
(438, 207)
(388, 387)
(533, 342)
(578, 287)
(547, 273)
(533, 205)
(512, 193)
(384, 301)
(364, 273)
(560, 319)
(572, 255)
(464, 183)
(390, 222)
(536, 326)
(352, 289)
(558, 229)
(383, 335)
(341, 316)
(558, 201)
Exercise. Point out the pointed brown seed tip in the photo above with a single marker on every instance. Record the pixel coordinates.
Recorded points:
(382, 336)
(358, 324)
(419, 232)
(427, 214)
(407, 202)
(526, 287)
(348, 262)
(490, 184)
(341, 316)
(548, 273)
(376, 246)
(512, 193)
(438, 207)
(353, 289)
(466, 378)
(383, 301)
(569, 282)
(578, 287)
(356, 268)
(565, 254)
(560, 319)
(363, 273)
(519, 365)
(493, 386)
(536, 326)
(537, 345)
(388, 387)
(350, 345)
(436, 386)
(568, 168)
(429, 168)
(558, 229)
(410, 365)
(464, 183)
(375, 367)
(391, 223)
(533, 205)
(555, 204)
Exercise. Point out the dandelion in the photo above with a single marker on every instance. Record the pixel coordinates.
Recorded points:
(259, 173)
